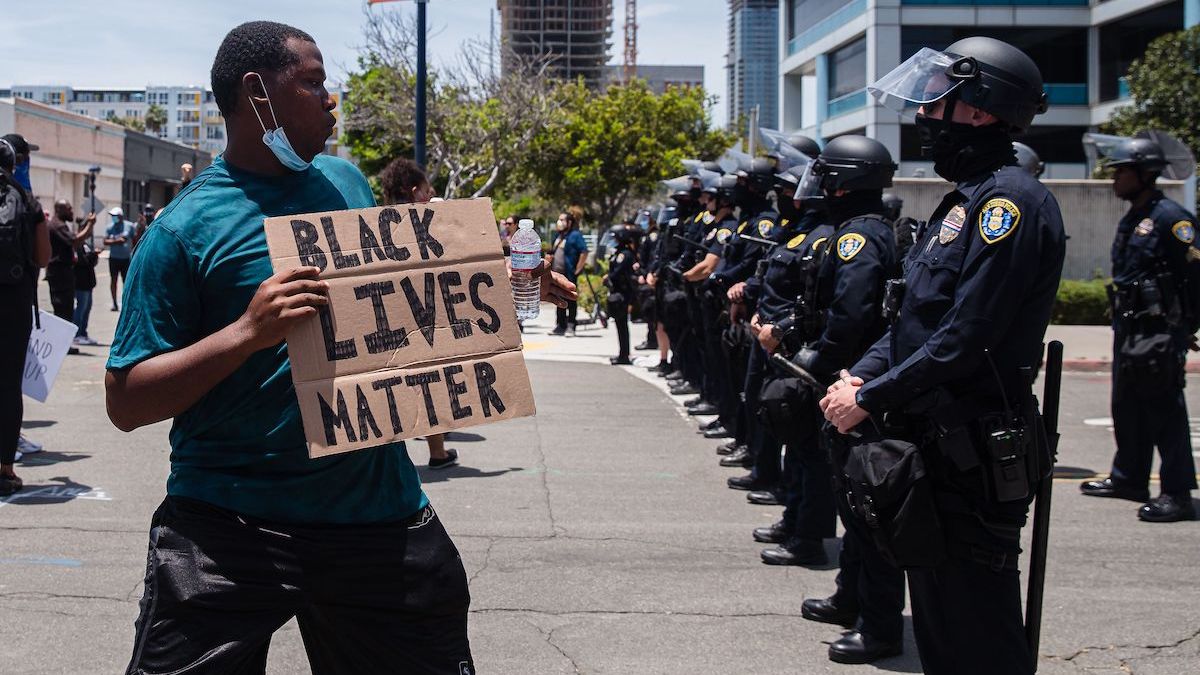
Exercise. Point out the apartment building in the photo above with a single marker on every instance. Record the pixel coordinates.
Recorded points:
(832, 49)
(752, 62)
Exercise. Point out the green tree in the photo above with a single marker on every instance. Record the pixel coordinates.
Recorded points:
(155, 119)
(1165, 87)
(135, 123)
(607, 150)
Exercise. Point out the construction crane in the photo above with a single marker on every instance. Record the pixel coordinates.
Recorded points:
(630, 70)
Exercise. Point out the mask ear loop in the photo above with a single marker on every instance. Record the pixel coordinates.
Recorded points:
(270, 106)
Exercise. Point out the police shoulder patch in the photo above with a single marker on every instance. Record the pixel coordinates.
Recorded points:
(724, 235)
(620, 257)
(849, 245)
(998, 219)
(765, 226)
(796, 240)
(1184, 231)
(707, 218)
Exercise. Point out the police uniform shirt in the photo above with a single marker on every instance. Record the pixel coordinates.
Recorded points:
(983, 277)
(1158, 237)
(740, 256)
(719, 235)
(647, 250)
(695, 230)
(621, 273)
(776, 290)
(861, 257)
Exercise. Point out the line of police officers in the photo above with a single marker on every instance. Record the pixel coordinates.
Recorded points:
(881, 369)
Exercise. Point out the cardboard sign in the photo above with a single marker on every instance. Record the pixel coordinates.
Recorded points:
(48, 347)
(420, 335)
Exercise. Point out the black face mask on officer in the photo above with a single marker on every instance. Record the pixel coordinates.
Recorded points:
(787, 206)
(960, 150)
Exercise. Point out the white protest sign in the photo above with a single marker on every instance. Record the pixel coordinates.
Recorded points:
(420, 335)
(48, 347)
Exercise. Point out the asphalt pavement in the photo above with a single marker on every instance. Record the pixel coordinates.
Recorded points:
(599, 537)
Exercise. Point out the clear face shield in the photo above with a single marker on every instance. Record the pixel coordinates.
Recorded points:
(811, 179)
(926, 77)
(1103, 150)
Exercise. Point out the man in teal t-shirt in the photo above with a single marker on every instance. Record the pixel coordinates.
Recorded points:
(253, 532)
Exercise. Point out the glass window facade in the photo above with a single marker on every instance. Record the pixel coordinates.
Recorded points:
(848, 69)
(1123, 41)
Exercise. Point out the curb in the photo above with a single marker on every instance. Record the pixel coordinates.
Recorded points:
(1105, 366)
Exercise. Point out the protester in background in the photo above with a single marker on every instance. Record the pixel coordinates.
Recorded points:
(60, 272)
(144, 219)
(119, 239)
(185, 175)
(403, 182)
(568, 258)
(507, 228)
(85, 282)
(24, 247)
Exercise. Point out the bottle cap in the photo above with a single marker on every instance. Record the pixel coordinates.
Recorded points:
(526, 223)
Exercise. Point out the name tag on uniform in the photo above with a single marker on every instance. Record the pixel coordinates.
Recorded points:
(952, 224)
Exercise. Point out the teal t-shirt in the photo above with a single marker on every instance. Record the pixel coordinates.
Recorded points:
(241, 446)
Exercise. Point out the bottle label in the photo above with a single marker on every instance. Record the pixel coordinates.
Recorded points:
(525, 261)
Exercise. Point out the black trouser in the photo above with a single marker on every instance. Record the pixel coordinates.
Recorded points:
(647, 300)
(763, 446)
(1140, 423)
(618, 313)
(16, 317)
(737, 359)
(868, 583)
(565, 316)
(716, 373)
(61, 279)
(694, 368)
(809, 511)
(388, 597)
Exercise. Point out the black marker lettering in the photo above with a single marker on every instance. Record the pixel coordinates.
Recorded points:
(339, 261)
(384, 339)
(367, 242)
(391, 396)
(485, 377)
(460, 328)
(335, 350)
(425, 314)
(425, 241)
(331, 421)
(365, 418)
(483, 279)
(456, 389)
(306, 237)
(423, 380)
(387, 217)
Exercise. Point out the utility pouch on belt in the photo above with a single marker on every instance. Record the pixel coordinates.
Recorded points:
(888, 493)
(1007, 458)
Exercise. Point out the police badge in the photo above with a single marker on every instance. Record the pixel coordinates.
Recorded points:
(997, 219)
(952, 225)
(1144, 228)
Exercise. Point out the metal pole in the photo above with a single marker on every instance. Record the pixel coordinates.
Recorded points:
(419, 140)
(1041, 509)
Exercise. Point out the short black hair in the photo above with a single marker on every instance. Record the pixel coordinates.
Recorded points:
(398, 180)
(251, 47)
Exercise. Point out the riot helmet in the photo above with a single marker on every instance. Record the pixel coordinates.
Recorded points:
(847, 163)
(892, 206)
(1028, 159)
(805, 145)
(760, 175)
(1150, 150)
(625, 234)
(986, 73)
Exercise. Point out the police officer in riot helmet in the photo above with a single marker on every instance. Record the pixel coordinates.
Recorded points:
(1028, 159)
(805, 145)
(905, 228)
(951, 382)
(622, 285)
(1156, 298)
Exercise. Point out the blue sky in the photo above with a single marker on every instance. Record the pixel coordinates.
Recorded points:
(137, 42)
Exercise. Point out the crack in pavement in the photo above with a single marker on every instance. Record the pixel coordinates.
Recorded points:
(70, 528)
(549, 637)
(572, 537)
(541, 463)
(43, 595)
(487, 560)
(1123, 661)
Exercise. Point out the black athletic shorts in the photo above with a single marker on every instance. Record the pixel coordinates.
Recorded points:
(118, 267)
(379, 598)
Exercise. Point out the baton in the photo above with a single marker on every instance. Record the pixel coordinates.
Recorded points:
(755, 240)
(804, 376)
(689, 242)
(1041, 508)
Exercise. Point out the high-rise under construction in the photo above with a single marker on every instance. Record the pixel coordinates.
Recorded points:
(576, 33)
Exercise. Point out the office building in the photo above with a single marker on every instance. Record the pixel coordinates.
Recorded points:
(658, 78)
(752, 61)
(576, 33)
(832, 49)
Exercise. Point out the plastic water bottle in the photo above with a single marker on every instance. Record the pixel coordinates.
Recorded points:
(526, 248)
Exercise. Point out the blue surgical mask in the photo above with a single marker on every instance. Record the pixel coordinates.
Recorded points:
(276, 139)
(21, 175)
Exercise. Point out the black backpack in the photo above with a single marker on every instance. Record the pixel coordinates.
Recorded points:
(16, 245)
